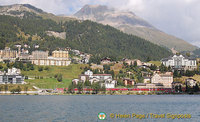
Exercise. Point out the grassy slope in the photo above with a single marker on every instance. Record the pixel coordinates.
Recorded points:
(157, 63)
(70, 72)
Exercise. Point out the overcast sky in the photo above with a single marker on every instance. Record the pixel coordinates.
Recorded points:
(180, 18)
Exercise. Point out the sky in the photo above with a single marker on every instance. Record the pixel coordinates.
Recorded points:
(180, 18)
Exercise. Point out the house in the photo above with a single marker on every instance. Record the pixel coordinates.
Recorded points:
(106, 61)
(75, 81)
(190, 82)
(147, 79)
(13, 76)
(129, 62)
(104, 79)
(179, 62)
(94, 80)
(109, 83)
(128, 81)
(166, 79)
(146, 74)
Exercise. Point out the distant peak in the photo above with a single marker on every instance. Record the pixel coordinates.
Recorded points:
(94, 6)
(92, 9)
(33, 7)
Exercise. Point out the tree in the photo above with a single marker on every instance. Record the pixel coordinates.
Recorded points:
(13, 90)
(175, 73)
(196, 88)
(59, 77)
(188, 54)
(1, 88)
(6, 88)
(1, 67)
(80, 87)
(103, 89)
(135, 64)
(163, 68)
(26, 88)
(71, 88)
(87, 83)
(96, 87)
(153, 67)
(18, 89)
(65, 90)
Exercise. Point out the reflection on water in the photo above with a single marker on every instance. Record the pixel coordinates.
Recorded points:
(86, 108)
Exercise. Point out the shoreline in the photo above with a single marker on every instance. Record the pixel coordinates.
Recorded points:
(92, 94)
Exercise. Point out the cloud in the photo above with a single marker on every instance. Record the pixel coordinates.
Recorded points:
(176, 17)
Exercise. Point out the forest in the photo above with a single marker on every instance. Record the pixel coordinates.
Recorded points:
(86, 36)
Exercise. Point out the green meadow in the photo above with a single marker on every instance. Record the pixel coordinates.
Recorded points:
(45, 78)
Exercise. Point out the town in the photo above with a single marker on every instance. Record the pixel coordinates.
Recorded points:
(177, 74)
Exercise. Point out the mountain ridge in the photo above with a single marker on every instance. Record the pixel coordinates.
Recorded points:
(129, 23)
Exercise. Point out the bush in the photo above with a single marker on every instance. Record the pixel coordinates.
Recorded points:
(46, 68)
(59, 77)
(40, 69)
(26, 77)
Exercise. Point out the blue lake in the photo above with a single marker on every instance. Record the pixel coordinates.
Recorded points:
(86, 108)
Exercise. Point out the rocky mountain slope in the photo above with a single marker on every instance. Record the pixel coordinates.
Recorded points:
(21, 10)
(129, 23)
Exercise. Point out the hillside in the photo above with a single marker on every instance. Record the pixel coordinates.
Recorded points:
(129, 23)
(21, 10)
(85, 36)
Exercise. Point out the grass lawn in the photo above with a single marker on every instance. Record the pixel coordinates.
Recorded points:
(196, 77)
(157, 63)
(22, 86)
(49, 83)
(68, 72)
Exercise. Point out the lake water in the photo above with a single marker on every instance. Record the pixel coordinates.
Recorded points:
(86, 108)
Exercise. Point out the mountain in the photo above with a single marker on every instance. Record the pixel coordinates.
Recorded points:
(26, 25)
(129, 23)
(21, 10)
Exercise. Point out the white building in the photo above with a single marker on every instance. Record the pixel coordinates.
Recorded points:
(180, 62)
(13, 76)
(104, 79)
(165, 79)
(51, 61)
(59, 58)
(191, 82)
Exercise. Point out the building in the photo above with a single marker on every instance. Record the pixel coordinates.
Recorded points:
(190, 82)
(60, 54)
(128, 81)
(39, 55)
(179, 62)
(104, 79)
(147, 79)
(8, 54)
(13, 76)
(165, 79)
(109, 83)
(51, 61)
(129, 62)
(59, 58)
(106, 60)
